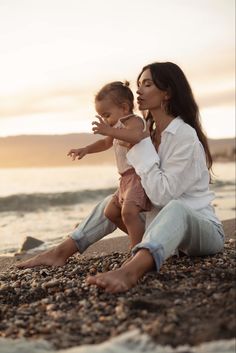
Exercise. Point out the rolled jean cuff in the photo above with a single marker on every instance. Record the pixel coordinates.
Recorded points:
(89, 232)
(157, 252)
(80, 241)
(84, 237)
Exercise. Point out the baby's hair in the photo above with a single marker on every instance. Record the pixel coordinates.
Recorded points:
(119, 92)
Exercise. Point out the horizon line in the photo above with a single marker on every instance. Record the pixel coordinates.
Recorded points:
(90, 133)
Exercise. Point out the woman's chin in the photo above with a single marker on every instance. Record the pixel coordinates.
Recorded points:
(141, 106)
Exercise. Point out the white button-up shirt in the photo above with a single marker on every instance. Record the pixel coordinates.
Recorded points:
(177, 172)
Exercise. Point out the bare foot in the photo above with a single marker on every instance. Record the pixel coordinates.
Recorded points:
(53, 257)
(126, 260)
(115, 281)
(48, 258)
(127, 275)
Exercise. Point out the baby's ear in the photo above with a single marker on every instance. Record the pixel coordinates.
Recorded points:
(125, 107)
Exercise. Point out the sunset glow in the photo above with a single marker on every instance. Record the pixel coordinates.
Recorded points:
(56, 54)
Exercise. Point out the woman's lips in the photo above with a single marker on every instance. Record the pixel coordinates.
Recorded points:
(139, 100)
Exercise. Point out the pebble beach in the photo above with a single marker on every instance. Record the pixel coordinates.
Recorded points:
(190, 303)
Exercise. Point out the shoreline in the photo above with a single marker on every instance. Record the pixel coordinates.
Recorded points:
(223, 160)
(107, 246)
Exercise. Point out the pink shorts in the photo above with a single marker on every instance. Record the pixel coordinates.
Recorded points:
(131, 190)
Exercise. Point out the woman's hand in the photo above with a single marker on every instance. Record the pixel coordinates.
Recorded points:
(78, 153)
(101, 126)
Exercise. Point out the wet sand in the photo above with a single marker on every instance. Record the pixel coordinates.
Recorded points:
(107, 246)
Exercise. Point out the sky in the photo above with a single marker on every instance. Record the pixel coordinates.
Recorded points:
(56, 54)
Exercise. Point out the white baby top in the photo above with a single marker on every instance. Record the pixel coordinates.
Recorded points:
(119, 149)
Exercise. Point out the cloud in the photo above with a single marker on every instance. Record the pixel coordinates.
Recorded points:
(213, 99)
(210, 90)
(56, 100)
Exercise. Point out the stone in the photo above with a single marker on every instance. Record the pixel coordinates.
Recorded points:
(30, 243)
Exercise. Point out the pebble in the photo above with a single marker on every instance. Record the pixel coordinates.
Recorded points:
(168, 328)
(57, 304)
(120, 312)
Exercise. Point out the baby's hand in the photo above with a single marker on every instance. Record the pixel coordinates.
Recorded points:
(101, 126)
(77, 153)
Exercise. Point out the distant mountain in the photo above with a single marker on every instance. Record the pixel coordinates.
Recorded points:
(51, 150)
(48, 150)
(223, 149)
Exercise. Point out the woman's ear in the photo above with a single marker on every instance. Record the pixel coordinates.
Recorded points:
(167, 96)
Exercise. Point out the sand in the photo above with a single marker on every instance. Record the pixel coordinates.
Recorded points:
(191, 302)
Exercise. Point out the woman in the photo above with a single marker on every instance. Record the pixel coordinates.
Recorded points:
(173, 164)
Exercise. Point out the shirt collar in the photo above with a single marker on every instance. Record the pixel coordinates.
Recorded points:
(174, 125)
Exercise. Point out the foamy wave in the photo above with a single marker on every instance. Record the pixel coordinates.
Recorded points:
(222, 184)
(32, 202)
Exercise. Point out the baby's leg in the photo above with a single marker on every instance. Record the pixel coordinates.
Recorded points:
(113, 213)
(131, 217)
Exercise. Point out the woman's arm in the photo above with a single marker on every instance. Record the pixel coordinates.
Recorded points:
(167, 181)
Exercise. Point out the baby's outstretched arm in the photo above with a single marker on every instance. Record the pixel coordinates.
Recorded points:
(78, 153)
(98, 146)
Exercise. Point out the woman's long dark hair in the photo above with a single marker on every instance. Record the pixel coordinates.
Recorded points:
(169, 77)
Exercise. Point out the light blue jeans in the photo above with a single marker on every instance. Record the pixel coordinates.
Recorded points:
(176, 226)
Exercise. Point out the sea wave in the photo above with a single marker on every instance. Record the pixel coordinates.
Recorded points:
(217, 184)
(36, 201)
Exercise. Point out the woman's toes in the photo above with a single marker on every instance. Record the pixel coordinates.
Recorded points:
(91, 280)
(101, 283)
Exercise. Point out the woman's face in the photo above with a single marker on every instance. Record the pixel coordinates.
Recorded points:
(149, 96)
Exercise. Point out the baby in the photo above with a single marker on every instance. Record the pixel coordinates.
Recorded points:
(114, 103)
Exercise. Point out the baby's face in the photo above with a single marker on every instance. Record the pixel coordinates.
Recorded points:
(109, 111)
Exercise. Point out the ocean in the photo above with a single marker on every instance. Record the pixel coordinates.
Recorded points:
(47, 203)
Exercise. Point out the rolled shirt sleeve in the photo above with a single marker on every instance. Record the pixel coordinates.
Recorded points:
(143, 156)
